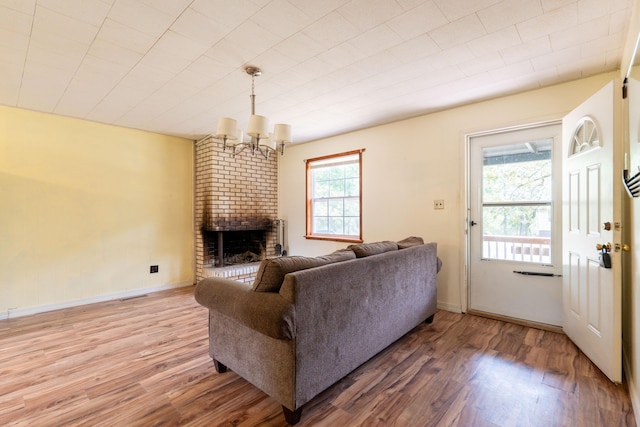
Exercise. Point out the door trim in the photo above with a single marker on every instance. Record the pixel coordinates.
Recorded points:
(464, 283)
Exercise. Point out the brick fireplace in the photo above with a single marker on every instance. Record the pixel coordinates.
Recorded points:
(236, 206)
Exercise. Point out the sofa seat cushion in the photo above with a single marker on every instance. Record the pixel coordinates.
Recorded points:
(272, 271)
(367, 249)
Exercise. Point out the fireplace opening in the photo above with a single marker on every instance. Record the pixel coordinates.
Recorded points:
(223, 248)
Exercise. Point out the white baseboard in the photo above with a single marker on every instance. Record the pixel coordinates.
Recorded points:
(20, 312)
(631, 386)
(454, 308)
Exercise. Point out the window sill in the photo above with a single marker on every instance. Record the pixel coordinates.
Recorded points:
(334, 238)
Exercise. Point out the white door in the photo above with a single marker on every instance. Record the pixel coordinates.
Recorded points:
(514, 224)
(591, 216)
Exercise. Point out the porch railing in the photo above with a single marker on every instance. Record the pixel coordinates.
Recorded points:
(517, 248)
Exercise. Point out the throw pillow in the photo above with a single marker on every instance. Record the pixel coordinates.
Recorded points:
(410, 241)
(367, 249)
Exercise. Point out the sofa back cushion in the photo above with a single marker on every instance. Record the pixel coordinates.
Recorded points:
(272, 271)
(367, 249)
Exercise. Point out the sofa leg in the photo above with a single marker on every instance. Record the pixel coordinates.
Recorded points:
(292, 417)
(430, 319)
(220, 367)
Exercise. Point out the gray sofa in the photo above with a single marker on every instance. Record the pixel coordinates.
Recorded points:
(308, 322)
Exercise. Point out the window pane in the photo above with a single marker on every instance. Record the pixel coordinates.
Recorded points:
(336, 208)
(517, 172)
(336, 188)
(352, 207)
(519, 233)
(336, 225)
(352, 187)
(321, 189)
(352, 226)
(337, 172)
(322, 174)
(321, 225)
(320, 207)
(352, 170)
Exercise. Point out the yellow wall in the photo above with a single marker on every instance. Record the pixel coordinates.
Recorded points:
(409, 164)
(86, 208)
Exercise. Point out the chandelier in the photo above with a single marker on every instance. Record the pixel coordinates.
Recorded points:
(261, 141)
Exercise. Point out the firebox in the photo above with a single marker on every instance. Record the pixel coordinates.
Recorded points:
(235, 242)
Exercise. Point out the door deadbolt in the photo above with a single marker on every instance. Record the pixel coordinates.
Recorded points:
(606, 226)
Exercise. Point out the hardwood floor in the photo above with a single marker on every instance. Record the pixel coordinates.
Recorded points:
(144, 362)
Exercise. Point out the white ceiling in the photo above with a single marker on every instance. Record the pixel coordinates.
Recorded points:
(329, 66)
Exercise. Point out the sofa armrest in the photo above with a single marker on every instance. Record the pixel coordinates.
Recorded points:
(265, 312)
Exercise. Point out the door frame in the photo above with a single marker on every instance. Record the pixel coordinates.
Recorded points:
(465, 283)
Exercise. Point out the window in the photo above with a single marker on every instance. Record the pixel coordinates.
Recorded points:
(334, 197)
(517, 202)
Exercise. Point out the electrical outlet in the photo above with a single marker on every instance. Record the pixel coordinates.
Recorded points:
(438, 204)
(153, 269)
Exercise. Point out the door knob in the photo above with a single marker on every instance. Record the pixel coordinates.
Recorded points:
(606, 246)
(624, 247)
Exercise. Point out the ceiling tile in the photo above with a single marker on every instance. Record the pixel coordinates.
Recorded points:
(551, 5)
(15, 21)
(556, 20)
(10, 81)
(92, 12)
(376, 40)
(126, 37)
(331, 29)
(170, 7)
(367, 14)
(537, 47)
(300, 47)
(456, 9)
(142, 17)
(175, 45)
(458, 32)
(341, 55)
(512, 71)
(281, 18)
(42, 88)
(317, 9)
(197, 26)
(252, 39)
(103, 49)
(227, 14)
(49, 23)
(495, 41)
(416, 48)
(487, 62)
(420, 20)
(508, 13)
(551, 60)
(580, 34)
(25, 6)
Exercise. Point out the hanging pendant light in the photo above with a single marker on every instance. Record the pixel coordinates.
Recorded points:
(261, 141)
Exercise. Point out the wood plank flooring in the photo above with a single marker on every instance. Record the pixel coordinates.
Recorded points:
(144, 362)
